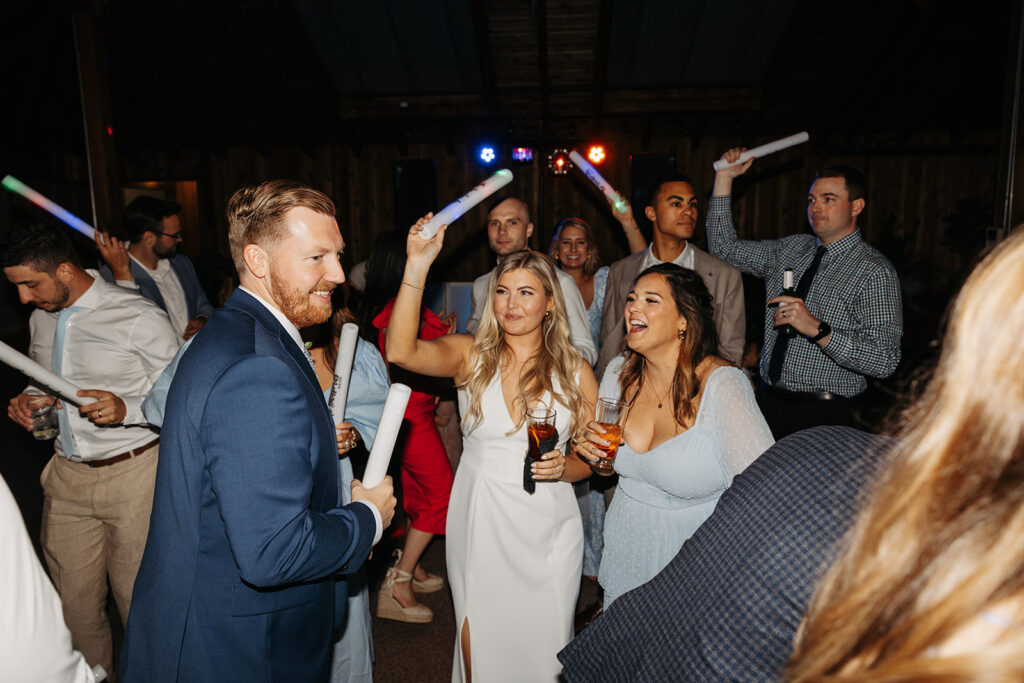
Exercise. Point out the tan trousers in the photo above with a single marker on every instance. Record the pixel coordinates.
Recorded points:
(95, 522)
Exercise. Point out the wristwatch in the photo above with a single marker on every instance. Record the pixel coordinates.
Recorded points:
(824, 329)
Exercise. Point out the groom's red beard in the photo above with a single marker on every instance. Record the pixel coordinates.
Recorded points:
(303, 308)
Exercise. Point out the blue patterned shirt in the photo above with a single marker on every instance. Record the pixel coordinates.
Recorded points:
(856, 291)
(594, 312)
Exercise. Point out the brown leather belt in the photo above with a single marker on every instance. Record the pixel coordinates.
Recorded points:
(121, 457)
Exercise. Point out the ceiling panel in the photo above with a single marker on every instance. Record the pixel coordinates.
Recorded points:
(393, 47)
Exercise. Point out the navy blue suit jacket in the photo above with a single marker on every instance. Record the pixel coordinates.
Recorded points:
(727, 607)
(195, 298)
(237, 580)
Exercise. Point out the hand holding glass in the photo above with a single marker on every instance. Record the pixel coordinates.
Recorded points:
(609, 416)
(44, 417)
(541, 428)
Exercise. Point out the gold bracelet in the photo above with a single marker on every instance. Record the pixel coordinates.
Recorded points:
(412, 285)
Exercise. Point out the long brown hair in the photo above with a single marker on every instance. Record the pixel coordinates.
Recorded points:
(556, 358)
(694, 303)
(941, 539)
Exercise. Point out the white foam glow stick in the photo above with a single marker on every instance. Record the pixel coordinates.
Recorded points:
(343, 370)
(18, 187)
(765, 150)
(588, 170)
(43, 377)
(454, 211)
(387, 434)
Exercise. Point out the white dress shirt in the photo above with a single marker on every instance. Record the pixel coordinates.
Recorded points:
(575, 311)
(170, 289)
(35, 645)
(293, 332)
(684, 260)
(119, 342)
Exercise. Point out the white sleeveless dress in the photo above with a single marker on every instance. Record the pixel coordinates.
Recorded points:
(514, 559)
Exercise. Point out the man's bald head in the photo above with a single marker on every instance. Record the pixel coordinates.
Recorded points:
(508, 225)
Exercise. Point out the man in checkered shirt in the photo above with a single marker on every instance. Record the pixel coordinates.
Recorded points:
(848, 315)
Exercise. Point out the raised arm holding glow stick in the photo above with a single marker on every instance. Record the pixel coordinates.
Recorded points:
(343, 370)
(17, 187)
(43, 377)
(387, 434)
(454, 211)
(588, 170)
(764, 150)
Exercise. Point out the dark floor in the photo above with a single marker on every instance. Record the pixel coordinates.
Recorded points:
(413, 652)
(423, 652)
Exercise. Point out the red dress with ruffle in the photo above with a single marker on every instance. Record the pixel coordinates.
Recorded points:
(426, 472)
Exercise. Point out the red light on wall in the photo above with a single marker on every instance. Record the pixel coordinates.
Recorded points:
(558, 162)
(596, 154)
(110, 131)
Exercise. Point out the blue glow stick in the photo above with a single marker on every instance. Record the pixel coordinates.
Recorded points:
(588, 170)
(454, 211)
(17, 187)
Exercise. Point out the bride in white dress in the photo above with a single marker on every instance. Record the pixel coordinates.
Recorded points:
(514, 558)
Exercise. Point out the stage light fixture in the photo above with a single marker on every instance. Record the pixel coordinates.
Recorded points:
(487, 154)
(596, 154)
(558, 162)
(523, 155)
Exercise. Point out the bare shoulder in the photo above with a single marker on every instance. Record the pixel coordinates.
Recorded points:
(709, 365)
(588, 382)
(461, 345)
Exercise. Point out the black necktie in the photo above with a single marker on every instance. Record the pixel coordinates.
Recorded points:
(781, 340)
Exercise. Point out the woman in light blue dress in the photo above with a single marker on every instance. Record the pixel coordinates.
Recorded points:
(574, 250)
(352, 656)
(691, 425)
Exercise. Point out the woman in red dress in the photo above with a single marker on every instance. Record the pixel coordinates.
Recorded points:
(426, 472)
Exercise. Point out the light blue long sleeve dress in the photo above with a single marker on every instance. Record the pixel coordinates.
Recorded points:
(591, 503)
(666, 493)
(352, 655)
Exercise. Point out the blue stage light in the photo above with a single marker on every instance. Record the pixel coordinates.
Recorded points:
(487, 154)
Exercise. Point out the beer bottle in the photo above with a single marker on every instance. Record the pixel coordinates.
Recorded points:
(788, 289)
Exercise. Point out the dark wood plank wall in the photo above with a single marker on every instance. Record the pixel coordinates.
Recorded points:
(909, 194)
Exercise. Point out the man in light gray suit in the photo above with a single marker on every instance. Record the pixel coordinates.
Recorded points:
(672, 209)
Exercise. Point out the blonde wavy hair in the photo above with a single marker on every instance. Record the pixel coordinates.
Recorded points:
(941, 539)
(556, 358)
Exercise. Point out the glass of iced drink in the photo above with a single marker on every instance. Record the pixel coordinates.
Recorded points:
(609, 416)
(44, 418)
(541, 427)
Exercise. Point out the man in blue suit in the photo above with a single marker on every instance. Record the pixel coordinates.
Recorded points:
(247, 533)
(153, 265)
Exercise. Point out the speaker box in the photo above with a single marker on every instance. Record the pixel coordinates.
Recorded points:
(644, 169)
(415, 190)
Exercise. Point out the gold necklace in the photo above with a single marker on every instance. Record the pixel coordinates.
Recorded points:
(661, 399)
